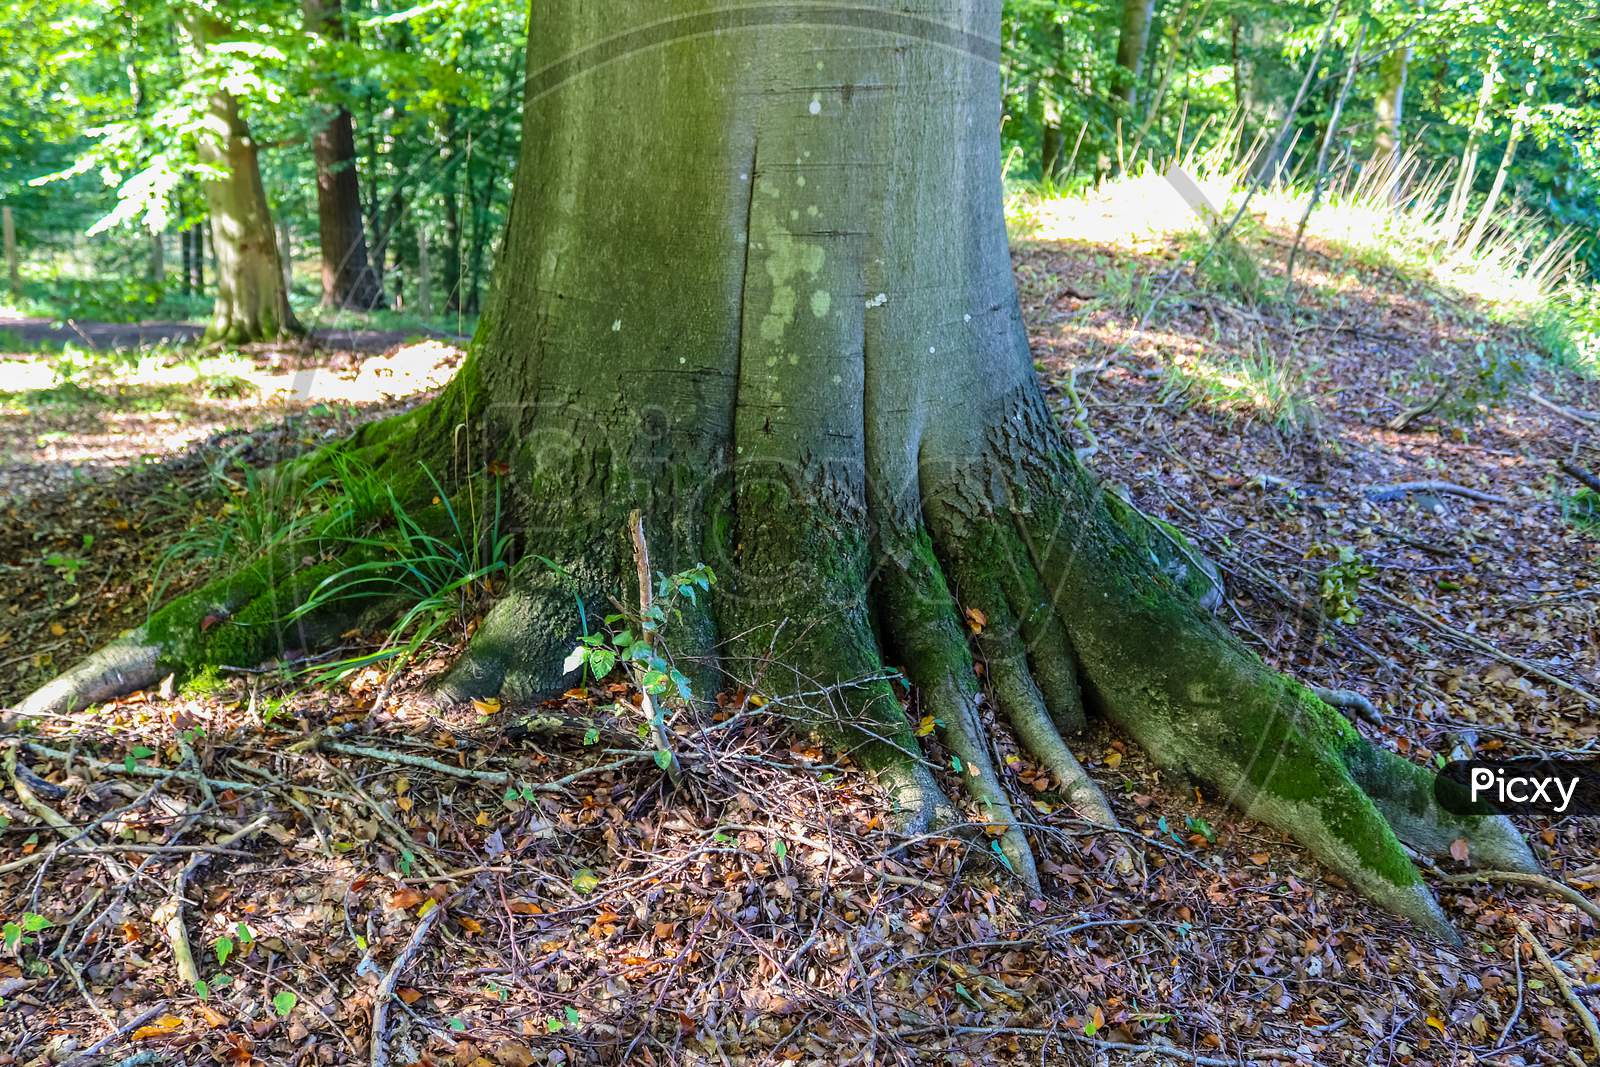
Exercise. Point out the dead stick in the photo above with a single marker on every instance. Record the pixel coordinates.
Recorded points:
(1582, 475)
(170, 914)
(385, 993)
(1562, 983)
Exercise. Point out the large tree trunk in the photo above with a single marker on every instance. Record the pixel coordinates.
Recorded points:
(755, 287)
(252, 303)
(348, 279)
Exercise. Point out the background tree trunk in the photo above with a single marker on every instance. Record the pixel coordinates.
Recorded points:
(252, 303)
(1389, 105)
(156, 264)
(1467, 172)
(1131, 42)
(1486, 213)
(348, 278)
(8, 223)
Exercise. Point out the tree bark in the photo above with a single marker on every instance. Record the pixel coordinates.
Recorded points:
(252, 303)
(1131, 42)
(8, 223)
(770, 310)
(1389, 105)
(1486, 213)
(348, 278)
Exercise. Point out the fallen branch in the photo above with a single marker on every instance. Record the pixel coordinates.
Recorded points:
(140, 770)
(391, 979)
(1536, 881)
(1484, 646)
(1582, 475)
(1581, 417)
(422, 762)
(1379, 493)
(1580, 1009)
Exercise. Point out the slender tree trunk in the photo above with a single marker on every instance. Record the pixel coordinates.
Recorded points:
(348, 279)
(1389, 105)
(756, 318)
(1322, 161)
(156, 264)
(451, 180)
(198, 233)
(1486, 213)
(1131, 43)
(186, 249)
(8, 223)
(1461, 194)
(422, 291)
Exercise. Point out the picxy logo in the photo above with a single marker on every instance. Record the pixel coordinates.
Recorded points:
(1550, 788)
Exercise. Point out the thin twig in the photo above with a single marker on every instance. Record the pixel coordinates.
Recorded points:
(87, 1056)
(1537, 881)
(1564, 985)
(386, 988)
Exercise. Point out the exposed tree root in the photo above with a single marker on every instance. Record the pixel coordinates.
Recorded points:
(1072, 599)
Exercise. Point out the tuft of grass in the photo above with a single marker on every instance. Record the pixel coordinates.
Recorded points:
(429, 569)
(1581, 510)
(1259, 385)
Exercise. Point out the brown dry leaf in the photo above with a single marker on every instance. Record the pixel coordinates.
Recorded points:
(409, 995)
(406, 898)
(470, 925)
(976, 620)
(1458, 852)
(214, 1018)
(512, 1054)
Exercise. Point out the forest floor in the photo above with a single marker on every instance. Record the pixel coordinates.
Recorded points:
(534, 903)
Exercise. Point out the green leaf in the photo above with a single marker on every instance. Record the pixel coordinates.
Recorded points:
(955, 764)
(573, 1018)
(601, 660)
(591, 735)
(224, 949)
(284, 1003)
(246, 935)
(585, 880)
(33, 922)
(221, 981)
(143, 752)
(12, 934)
(663, 758)
(202, 990)
(457, 1024)
(781, 848)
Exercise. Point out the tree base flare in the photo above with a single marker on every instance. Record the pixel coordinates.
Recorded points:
(1012, 584)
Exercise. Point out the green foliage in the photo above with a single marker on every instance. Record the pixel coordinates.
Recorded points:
(426, 562)
(1582, 510)
(1339, 583)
